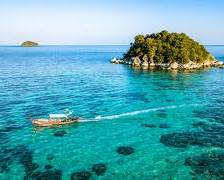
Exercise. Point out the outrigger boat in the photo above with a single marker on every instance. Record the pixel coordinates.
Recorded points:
(56, 120)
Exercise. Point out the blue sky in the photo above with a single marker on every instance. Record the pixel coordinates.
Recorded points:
(108, 21)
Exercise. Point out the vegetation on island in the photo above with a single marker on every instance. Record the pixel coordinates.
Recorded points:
(165, 47)
(29, 44)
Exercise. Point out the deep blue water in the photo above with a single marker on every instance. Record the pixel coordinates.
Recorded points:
(166, 117)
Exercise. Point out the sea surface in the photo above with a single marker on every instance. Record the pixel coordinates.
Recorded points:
(138, 124)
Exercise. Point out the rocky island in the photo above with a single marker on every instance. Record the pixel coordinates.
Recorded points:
(29, 44)
(164, 50)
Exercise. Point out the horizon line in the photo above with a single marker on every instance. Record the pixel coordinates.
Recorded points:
(42, 45)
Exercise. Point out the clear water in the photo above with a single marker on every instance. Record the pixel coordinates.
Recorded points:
(37, 81)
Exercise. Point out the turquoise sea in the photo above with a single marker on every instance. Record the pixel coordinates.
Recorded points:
(141, 124)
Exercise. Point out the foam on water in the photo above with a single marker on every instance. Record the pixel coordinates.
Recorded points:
(143, 111)
(88, 120)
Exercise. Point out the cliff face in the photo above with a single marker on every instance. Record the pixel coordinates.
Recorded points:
(29, 44)
(166, 50)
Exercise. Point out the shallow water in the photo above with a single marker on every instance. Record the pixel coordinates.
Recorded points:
(122, 107)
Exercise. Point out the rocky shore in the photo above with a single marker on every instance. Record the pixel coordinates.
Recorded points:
(144, 63)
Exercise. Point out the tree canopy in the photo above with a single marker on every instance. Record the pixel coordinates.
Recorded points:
(165, 47)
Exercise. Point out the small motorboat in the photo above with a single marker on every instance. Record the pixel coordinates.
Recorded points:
(55, 120)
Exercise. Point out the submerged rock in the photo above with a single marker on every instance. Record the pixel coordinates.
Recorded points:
(83, 175)
(3, 167)
(6, 159)
(178, 140)
(99, 169)
(28, 164)
(210, 164)
(60, 133)
(211, 135)
(46, 175)
(212, 112)
(162, 114)
(125, 150)
(149, 125)
(199, 124)
(48, 166)
(164, 126)
(21, 154)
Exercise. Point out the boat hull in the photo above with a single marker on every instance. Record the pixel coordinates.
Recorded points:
(51, 122)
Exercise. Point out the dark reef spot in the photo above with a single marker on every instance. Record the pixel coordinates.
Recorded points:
(205, 134)
(192, 138)
(99, 169)
(3, 167)
(5, 159)
(169, 100)
(164, 126)
(21, 154)
(46, 175)
(26, 159)
(125, 150)
(60, 133)
(199, 124)
(213, 112)
(84, 175)
(211, 164)
(162, 114)
(178, 140)
(48, 166)
(149, 125)
(50, 157)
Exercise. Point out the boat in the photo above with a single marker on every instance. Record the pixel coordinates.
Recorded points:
(55, 120)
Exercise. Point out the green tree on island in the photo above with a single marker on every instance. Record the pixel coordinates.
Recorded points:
(165, 47)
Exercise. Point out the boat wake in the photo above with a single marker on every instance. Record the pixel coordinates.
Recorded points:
(143, 111)
(88, 120)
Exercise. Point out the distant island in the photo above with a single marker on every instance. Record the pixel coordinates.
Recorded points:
(29, 44)
(166, 50)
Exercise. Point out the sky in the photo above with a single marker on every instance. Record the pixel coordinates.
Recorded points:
(95, 22)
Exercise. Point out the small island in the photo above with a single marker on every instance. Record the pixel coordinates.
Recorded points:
(29, 44)
(164, 50)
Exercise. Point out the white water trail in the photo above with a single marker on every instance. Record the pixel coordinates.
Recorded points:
(89, 120)
(143, 111)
